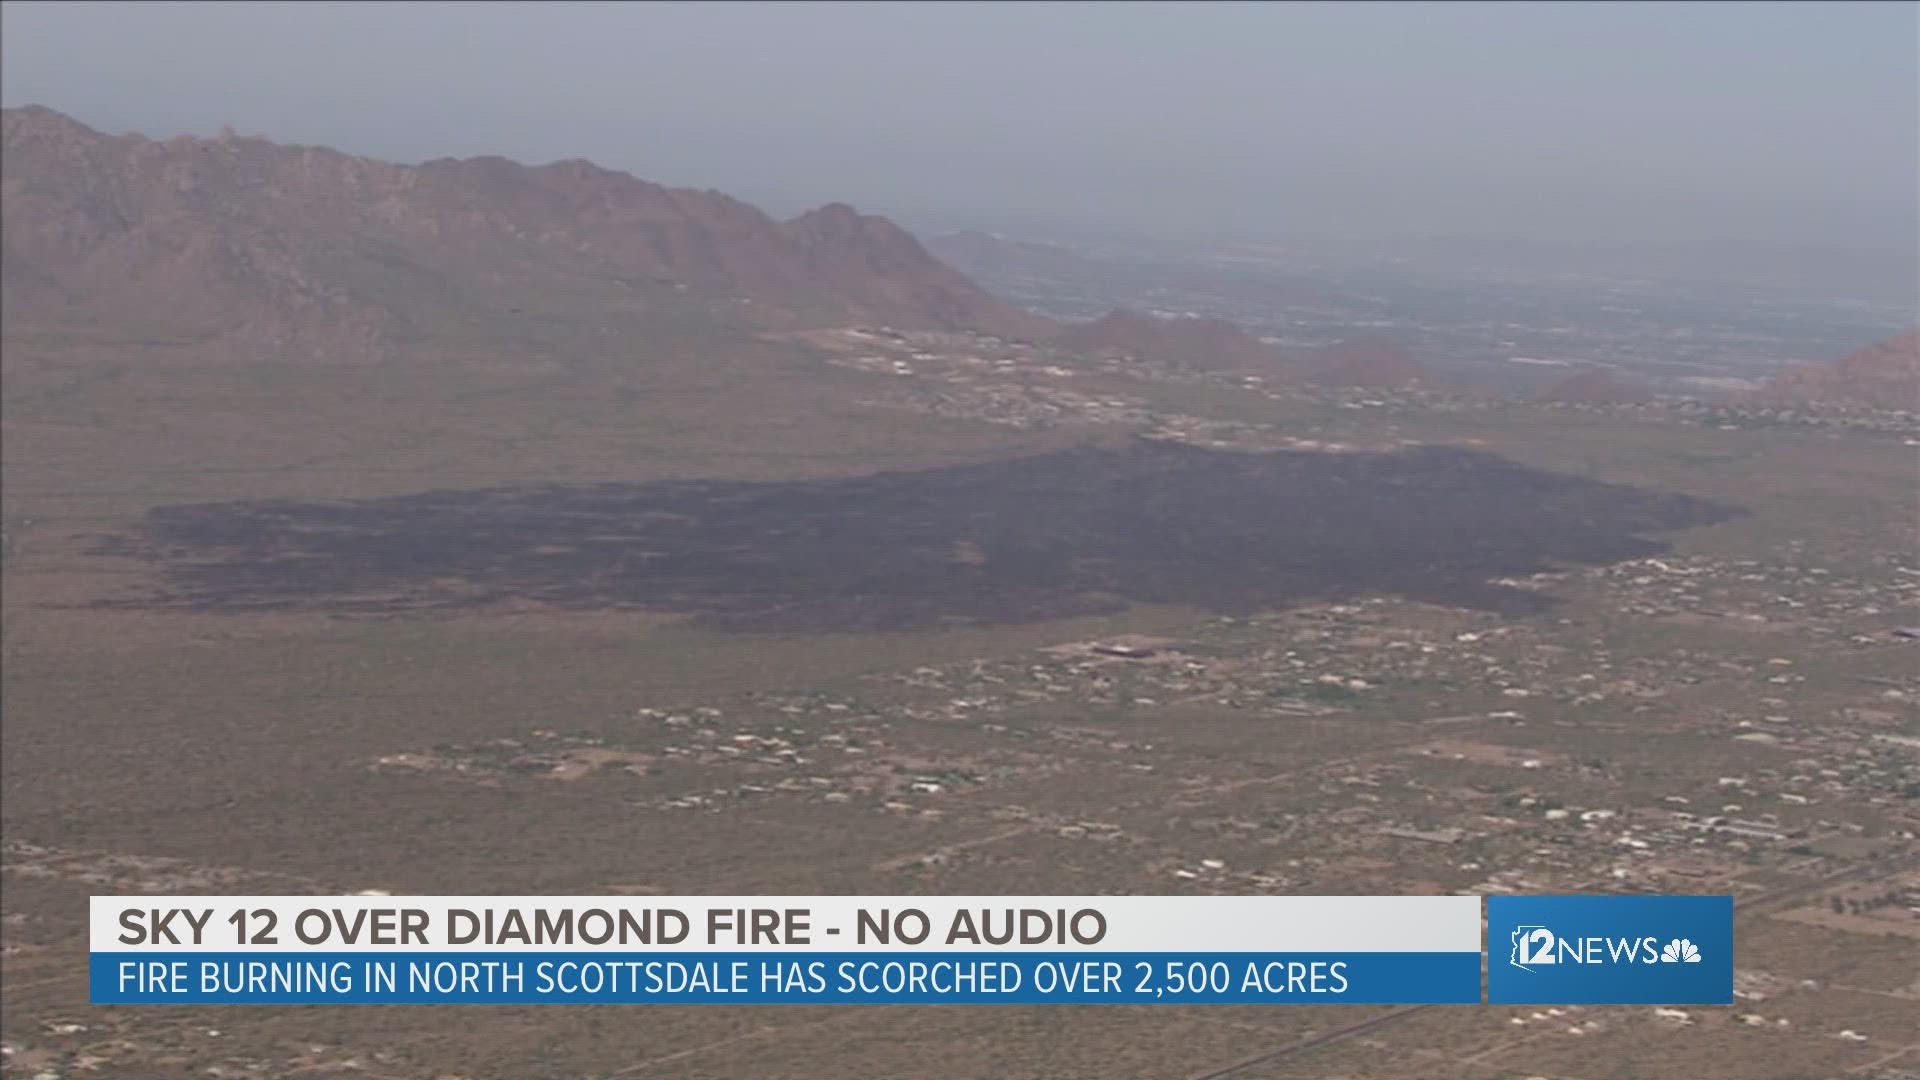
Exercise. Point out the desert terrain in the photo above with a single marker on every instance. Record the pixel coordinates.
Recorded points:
(476, 528)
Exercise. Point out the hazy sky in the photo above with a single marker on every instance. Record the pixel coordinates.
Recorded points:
(1770, 124)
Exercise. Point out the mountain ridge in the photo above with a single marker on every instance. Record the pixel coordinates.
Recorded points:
(247, 242)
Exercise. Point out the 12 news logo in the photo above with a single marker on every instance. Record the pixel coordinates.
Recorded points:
(1537, 945)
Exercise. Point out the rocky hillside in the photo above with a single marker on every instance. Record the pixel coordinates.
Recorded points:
(886, 276)
(1886, 375)
(247, 242)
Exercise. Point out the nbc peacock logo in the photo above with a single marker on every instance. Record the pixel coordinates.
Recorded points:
(1680, 951)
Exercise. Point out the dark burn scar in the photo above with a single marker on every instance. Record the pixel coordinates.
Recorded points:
(1068, 533)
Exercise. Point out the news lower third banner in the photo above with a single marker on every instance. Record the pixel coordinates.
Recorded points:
(888, 950)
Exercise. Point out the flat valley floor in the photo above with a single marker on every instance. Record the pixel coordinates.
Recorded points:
(742, 620)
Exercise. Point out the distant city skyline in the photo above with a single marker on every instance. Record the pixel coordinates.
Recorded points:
(1713, 134)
